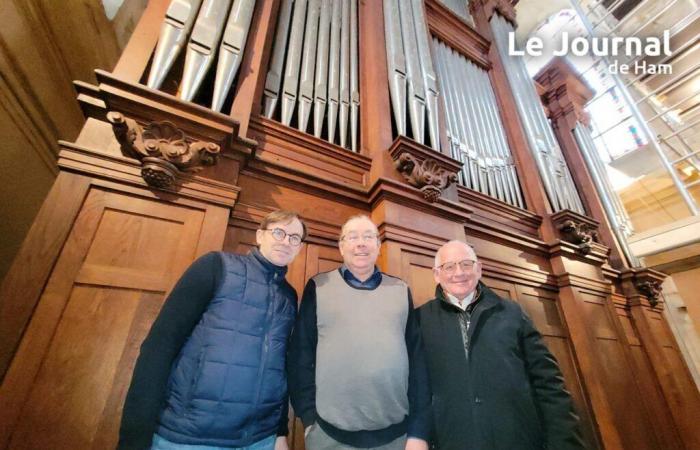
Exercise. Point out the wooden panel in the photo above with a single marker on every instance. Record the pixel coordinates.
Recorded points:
(680, 392)
(417, 271)
(65, 388)
(541, 306)
(653, 398)
(633, 424)
(320, 258)
(21, 288)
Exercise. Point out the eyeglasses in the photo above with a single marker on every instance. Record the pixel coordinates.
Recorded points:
(355, 238)
(279, 234)
(451, 267)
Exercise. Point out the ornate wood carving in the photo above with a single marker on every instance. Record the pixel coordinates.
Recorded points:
(424, 168)
(503, 7)
(427, 176)
(643, 282)
(162, 148)
(651, 289)
(576, 229)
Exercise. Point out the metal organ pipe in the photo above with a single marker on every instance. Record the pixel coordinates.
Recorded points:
(474, 127)
(554, 172)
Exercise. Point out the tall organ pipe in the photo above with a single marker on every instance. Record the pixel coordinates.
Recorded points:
(554, 172)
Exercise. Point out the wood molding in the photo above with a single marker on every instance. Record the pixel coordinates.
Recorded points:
(89, 162)
(24, 282)
(642, 286)
(283, 145)
(494, 210)
(504, 7)
(146, 105)
(456, 33)
(386, 189)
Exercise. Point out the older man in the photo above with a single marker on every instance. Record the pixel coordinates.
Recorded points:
(211, 370)
(357, 375)
(495, 385)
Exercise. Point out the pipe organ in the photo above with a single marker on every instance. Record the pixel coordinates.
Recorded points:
(315, 68)
(550, 161)
(216, 25)
(220, 111)
(412, 80)
(474, 127)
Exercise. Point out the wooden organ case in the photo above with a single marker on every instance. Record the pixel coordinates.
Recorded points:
(403, 110)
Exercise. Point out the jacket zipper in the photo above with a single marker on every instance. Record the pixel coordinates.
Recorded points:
(266, 345)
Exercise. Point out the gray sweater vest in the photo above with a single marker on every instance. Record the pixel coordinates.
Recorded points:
(361, 357)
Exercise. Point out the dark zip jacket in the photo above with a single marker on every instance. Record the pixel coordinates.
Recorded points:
(211, 370)
(505, 392)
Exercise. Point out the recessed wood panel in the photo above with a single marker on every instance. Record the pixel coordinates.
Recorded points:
(71, 390)
(632, 422)
(321, 258)
(417, 271)
(67, 383)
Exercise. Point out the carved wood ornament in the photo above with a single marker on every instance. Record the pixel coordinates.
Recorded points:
(427, 176)
(163, 149)
(651, 289)
(579, 233)
(503, 7)
(577, 229)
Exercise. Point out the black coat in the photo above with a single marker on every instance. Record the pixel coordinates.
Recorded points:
(508, 393)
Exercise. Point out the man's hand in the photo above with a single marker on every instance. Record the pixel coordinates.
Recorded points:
(281, 443)
(416, 444)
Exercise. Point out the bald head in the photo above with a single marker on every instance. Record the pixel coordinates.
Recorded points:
(452, 247)
(456, 269)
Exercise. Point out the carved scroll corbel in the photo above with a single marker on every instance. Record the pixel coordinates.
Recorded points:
(578, 233)
(427, 176)
(651, 289)
(163, 149)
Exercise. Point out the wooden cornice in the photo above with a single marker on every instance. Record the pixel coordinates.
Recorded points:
(590, 285)
(507, 235)
(564, 91)
(302, 151)
(85, 161)
(305, 181)
(146, 105)
(500, 212)
(597, 255)
(505, 8)
(642, 286)
(518, 275)
(416, 241)
(458, 34)
(387, 189)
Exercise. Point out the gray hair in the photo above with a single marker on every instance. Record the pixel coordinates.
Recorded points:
(453, 242)
(356, 217)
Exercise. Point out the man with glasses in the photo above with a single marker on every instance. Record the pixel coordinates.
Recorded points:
(494, 383)
(210, 374)
(357, 375)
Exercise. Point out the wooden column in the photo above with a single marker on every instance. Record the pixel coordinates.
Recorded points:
(375, 105)
(642, 288)
(565, 96)
(247, 102)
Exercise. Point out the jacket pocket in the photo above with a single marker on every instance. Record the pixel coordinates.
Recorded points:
(196, 375)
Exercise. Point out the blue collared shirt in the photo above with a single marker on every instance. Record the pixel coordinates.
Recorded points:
(370, 283)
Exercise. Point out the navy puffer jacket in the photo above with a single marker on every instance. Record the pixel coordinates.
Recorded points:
(228, 386)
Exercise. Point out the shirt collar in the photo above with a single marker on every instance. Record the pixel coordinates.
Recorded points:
(461, 304)
(370, 283)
